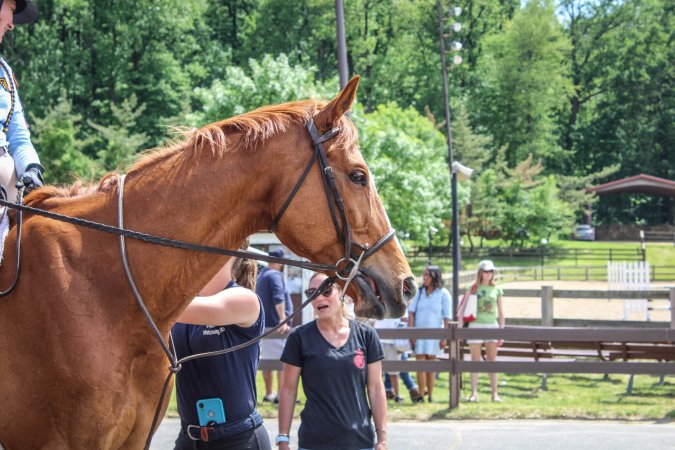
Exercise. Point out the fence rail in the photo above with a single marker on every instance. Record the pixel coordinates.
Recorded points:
(572, 273)
(576, 254)
(660, 236)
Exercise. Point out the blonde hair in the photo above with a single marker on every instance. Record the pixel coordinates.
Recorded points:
(245, 270)
(478, 277)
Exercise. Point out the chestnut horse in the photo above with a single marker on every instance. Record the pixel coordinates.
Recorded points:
(80, 366)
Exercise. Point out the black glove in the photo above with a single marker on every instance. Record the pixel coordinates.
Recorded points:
(31, 178)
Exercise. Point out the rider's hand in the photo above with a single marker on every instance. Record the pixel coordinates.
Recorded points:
(283, 329)
(31, 178)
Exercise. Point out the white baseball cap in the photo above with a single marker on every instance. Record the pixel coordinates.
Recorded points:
(486, 265)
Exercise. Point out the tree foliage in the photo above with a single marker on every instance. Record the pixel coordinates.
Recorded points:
(580, 91)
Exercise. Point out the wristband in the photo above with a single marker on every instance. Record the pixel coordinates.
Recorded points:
(283, 438)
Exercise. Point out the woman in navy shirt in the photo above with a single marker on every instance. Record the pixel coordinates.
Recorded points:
(217, 394)
(340, 361)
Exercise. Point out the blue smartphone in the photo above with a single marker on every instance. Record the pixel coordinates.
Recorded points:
(210, 411)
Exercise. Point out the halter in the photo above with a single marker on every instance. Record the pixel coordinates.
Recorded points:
(351, 261)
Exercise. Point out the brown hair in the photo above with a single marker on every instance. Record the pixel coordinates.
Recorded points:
(436, 277)
(245, 270)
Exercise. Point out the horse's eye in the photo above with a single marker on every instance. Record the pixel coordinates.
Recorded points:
(358, 177)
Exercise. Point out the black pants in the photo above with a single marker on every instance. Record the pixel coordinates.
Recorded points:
(253, 439)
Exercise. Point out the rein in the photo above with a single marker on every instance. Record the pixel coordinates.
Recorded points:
(19, 199)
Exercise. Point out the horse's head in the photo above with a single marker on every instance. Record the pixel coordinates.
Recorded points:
(313, 223)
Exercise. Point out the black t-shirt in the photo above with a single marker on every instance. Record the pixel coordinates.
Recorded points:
(337, 414)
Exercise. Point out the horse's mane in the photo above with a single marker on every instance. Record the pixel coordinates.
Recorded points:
(251, 128)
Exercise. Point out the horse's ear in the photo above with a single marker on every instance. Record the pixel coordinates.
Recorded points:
(329, 116)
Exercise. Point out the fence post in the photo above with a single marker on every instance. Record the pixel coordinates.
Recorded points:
(672, 307)
(454, 374)
(547, 306)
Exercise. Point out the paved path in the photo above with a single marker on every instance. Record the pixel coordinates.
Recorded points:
(498, 435)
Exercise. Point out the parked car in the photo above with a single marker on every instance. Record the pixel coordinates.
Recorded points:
(584, 233)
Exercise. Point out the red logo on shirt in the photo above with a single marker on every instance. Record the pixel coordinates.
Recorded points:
(359, 359)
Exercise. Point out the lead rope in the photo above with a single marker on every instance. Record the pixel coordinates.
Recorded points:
(130, 278)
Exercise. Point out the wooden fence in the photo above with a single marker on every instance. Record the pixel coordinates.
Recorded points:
(500, 253)
(659, 236)
(455, 365)
(573, 273)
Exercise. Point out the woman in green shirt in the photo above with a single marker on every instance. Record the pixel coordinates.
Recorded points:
(490, 314)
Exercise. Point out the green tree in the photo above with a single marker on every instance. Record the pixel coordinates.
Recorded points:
(102, 52)
(119, 145)
(268, 81)
(629, 122)
(524, 84)
(56, 136)
(406, 155)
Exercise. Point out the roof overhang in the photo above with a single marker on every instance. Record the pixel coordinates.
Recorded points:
(638, 184)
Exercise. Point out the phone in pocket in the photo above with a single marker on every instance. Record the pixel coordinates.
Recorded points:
(210, 411)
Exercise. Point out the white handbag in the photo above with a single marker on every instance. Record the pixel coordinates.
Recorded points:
(471, 307)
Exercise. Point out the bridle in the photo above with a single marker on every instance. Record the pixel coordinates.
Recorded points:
(352, 262)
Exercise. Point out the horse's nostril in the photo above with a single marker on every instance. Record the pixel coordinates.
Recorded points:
(409, 288)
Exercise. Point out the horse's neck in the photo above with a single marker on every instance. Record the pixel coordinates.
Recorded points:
(208, 201)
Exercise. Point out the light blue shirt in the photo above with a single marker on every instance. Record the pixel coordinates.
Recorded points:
(430, 310)
(17, 137)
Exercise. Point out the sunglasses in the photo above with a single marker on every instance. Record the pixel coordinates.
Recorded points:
(488, 271)
(327, 293)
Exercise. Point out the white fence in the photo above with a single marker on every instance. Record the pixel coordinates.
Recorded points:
(630, 276)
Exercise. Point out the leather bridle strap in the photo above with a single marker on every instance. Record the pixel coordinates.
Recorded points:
(295, 190)
(333, 196)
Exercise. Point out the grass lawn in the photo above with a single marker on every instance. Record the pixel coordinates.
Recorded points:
(568, 396)
(658, 253)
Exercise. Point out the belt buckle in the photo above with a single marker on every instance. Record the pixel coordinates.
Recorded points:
(203, 433)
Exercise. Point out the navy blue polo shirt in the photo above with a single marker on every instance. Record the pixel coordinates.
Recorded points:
(230, 377)
(271, 289)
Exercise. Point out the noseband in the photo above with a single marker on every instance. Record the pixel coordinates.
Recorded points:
(351, 262)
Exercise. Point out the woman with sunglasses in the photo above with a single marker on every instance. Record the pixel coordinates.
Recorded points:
(339, 360)
(490, 314)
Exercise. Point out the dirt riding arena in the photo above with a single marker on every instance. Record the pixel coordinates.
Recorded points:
(570, 308)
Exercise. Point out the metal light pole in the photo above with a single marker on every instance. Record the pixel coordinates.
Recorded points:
(432, 231)
(341, 43)
(544, 241)
(451, 156)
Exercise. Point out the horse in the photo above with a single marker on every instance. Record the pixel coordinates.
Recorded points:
(80, 368)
